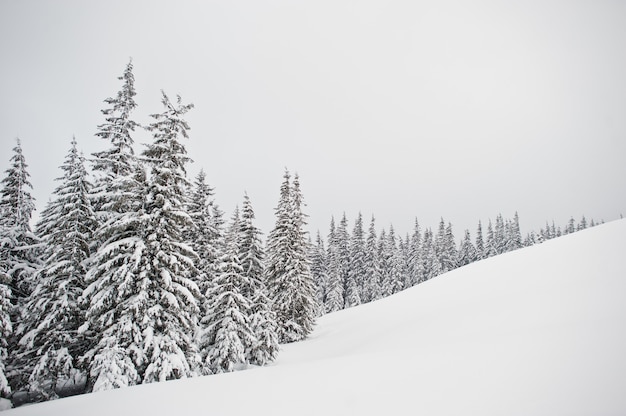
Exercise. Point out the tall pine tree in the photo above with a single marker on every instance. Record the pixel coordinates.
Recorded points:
(264, 347)
(288, 274)
(142, 299)
(50, 347)
(228, 334)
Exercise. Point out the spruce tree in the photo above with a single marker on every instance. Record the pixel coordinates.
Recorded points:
(373, 276)
(415, 267)
(334, 289)
(343, 253)
(142, 299)
(491, 248)
(6, 331)
(49, 348)
(396, 268)
(514, 235)
(356, 264)
(205, 236)
(430, 262)
(499, 237)
(480, 245)
(288, 274)
(319, 271)
(264, 347)
(467, 251)
(228, 335)
(18, 262)
(386, 248)
(18, 251)
(115, 167)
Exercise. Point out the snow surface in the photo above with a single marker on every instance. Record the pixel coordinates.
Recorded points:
(539, 331)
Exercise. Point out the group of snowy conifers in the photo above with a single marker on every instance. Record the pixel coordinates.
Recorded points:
(137, 277)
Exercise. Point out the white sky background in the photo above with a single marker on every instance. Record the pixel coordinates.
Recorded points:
(397, 108)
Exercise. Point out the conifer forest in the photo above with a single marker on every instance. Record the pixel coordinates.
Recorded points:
(133, 274)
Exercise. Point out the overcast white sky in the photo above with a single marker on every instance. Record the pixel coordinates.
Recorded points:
(403, 109)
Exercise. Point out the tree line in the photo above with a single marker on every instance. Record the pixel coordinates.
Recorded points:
(351, 268)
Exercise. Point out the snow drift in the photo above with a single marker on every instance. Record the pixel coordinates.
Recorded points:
(539, 331)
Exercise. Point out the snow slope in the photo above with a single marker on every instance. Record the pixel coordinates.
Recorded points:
(539, 331)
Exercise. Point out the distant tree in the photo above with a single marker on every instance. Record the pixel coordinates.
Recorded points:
(467, 251)
(319, 271)
(396, 267)
(583, 224)
(480, 245)
(384, 254)
(6, 331)
(491, 248)
(415, 266)
(445, 247)
(514, 236)
(356, 265)
(431, 265)
(228, 334)
(288, 275)
(264, 347)
(49, 349)
(371, 289)
(343, 253)
(334, 288)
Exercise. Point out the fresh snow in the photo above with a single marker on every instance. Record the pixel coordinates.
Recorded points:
(538, 331)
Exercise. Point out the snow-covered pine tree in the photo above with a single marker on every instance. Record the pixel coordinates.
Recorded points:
(6, 332)
(227, 334)
(431, 265)
(343, 252)
(500, 235)
(356, 265)
(415, 267)
(445, 247)
(251, 250)
(386, 247)
(289, 279)
(264, 348)
(480, 245)
(18, 252)
(571, 227)
(403, 252)
(395, 258)
(49, 348)
(115, 167)
(491, 248)
(142, 299)
(583, 224)
(319, 271)
(450, 247)
(205, 237)
(371, 289)
(467, 251)
(334, 289)
(514, 235)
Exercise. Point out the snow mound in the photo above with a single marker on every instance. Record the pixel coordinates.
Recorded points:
(538, 331)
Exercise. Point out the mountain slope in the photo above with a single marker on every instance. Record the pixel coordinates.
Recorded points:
(538, 331)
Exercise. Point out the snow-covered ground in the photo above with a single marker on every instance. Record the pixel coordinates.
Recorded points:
(539, 331)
